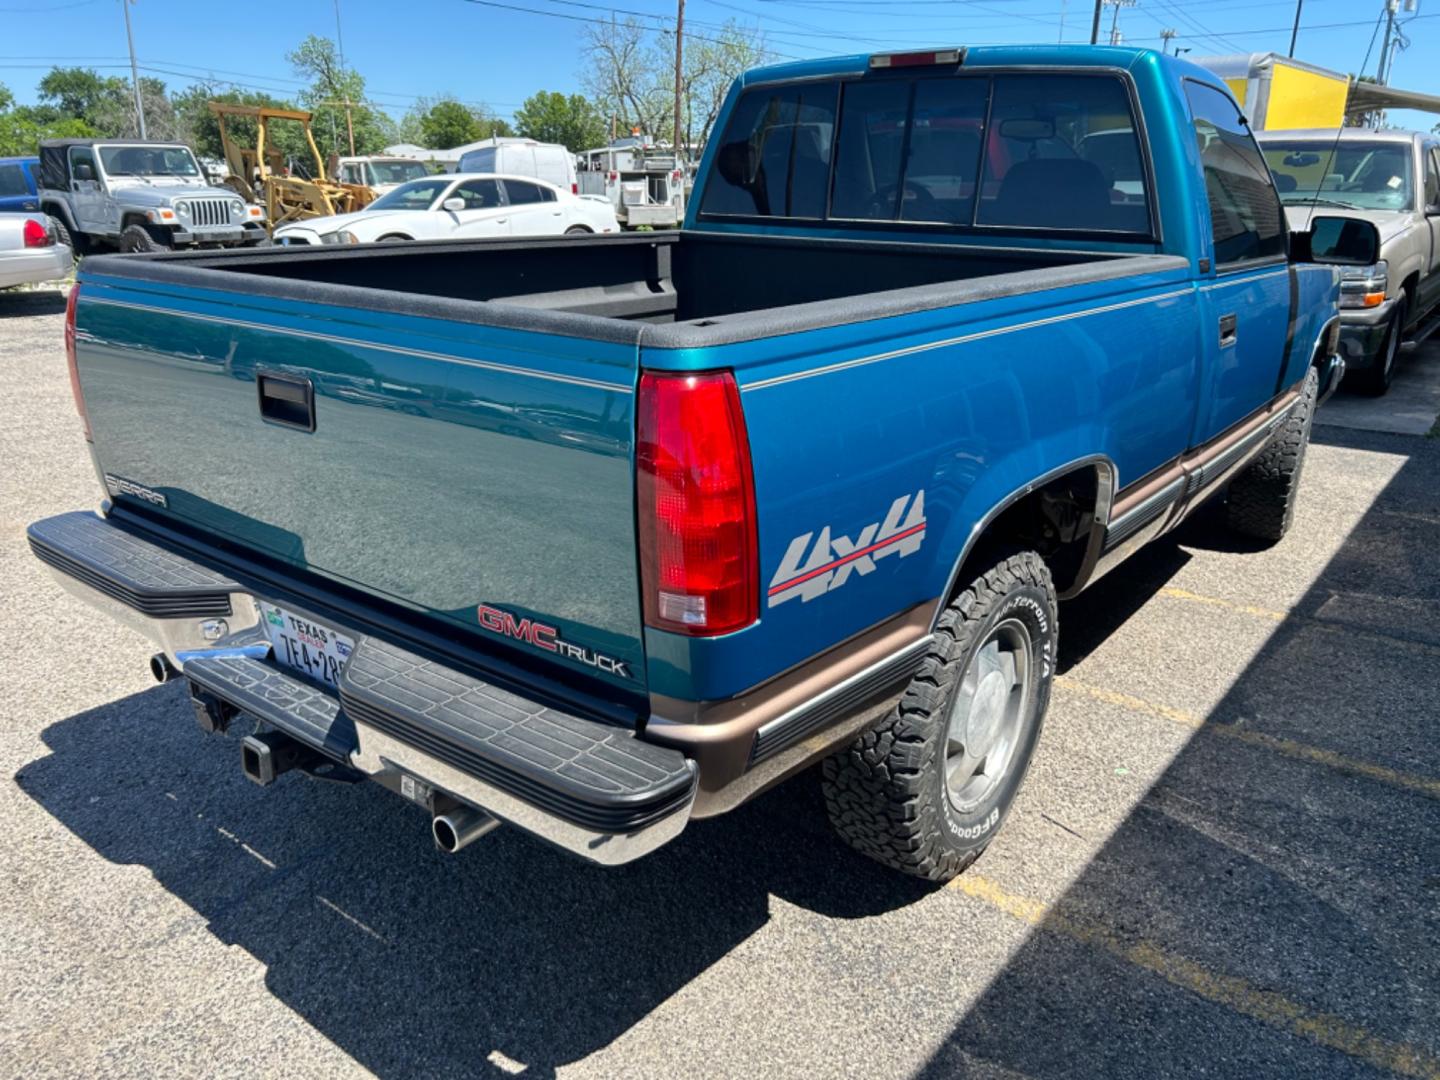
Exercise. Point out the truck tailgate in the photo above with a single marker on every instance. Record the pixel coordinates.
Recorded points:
(480, 475)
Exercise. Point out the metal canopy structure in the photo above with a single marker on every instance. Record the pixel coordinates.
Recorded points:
(1367, 97)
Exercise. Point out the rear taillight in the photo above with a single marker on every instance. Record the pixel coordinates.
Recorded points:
(611, 177)
(36, 235)
(574, 189)
(696, 503)
(70, 360)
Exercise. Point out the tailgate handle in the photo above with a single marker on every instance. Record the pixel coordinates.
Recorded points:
(287, 400)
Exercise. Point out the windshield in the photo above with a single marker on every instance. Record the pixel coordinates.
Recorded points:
(148, 161)
(397, 172)
(416, 195)
(1360, 175)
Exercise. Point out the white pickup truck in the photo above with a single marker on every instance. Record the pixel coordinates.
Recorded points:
(1390, 178)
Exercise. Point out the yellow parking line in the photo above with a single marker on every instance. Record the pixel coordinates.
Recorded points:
(1289, 747)
(1328, 626)
(1214, 601)
(1233, 993)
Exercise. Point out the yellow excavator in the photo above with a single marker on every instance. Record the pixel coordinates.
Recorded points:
(260, 173)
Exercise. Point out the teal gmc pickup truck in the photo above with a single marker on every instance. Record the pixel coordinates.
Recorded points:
(594, 537)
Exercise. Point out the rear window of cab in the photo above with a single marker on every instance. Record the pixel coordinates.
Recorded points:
(1022, 151)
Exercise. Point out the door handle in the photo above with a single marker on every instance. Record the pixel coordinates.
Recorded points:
(287, 400)
(1227, 331)
(501, 220)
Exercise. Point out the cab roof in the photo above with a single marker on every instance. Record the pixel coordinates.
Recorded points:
(987, 56)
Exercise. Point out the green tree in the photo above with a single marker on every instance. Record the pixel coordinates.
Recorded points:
(630, 74)
(336, 97)
(494, 127)
(551, 117)
(447, 124)
(198, 126)
(105, 104)
(23, 126)
(81, 93)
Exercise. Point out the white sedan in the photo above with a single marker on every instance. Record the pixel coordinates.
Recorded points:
(467, 206)
(30, 252)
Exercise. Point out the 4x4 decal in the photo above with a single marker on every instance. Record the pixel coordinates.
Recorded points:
(832, 559)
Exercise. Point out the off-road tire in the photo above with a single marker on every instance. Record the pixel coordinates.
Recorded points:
(78, 243)
(1261, 503)
(1375, 380)
(135, 239)
(886, 793)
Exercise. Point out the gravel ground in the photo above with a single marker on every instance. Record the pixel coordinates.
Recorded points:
(1226, 859)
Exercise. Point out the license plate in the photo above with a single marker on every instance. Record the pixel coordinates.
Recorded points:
(305, 645)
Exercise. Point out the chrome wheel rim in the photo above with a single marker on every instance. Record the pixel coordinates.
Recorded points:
(987, 715)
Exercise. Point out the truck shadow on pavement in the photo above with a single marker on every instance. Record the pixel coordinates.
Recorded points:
(14, 304)
(414, 962)
(1270, 906)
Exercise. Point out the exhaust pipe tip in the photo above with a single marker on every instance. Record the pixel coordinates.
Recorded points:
(162, 668)
(458, 828)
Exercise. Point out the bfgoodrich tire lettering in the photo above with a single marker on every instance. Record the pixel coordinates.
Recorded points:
(1261, 502)
(887, 794)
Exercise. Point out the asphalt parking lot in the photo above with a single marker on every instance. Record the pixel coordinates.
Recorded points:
(1225, 861)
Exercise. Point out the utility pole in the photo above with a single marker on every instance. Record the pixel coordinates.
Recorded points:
(340, 55)
(1095, 22)
(1115, 19)
(134, 68)
(1383, 73)
(679, 57)
(1295, 32)
(339, 36)
(1167, 35)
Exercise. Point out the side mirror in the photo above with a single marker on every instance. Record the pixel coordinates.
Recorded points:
(84, 171)
(1339, 241)
(454, 204)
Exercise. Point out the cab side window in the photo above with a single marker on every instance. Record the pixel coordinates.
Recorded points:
(1246, 220)
(1432, 179)
(83, 156)
(12, 181)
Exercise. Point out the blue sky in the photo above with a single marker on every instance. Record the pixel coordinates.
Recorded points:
(492, 53)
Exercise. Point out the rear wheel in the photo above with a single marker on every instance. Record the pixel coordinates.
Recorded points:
(1375, 380)
(1261, 502)
(925, 790)
(76, 242)
(137, 238)
(576, 230)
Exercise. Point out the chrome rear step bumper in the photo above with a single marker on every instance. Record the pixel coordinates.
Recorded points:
(590, 787)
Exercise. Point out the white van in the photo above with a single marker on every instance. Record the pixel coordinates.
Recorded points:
(550, 162)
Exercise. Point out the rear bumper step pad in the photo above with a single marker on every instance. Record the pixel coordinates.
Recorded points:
(572, 780)
(135, 572)
(593, 775)
(284, 701)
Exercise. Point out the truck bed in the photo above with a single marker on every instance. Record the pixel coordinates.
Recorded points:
(466, 437)
(712, 288)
